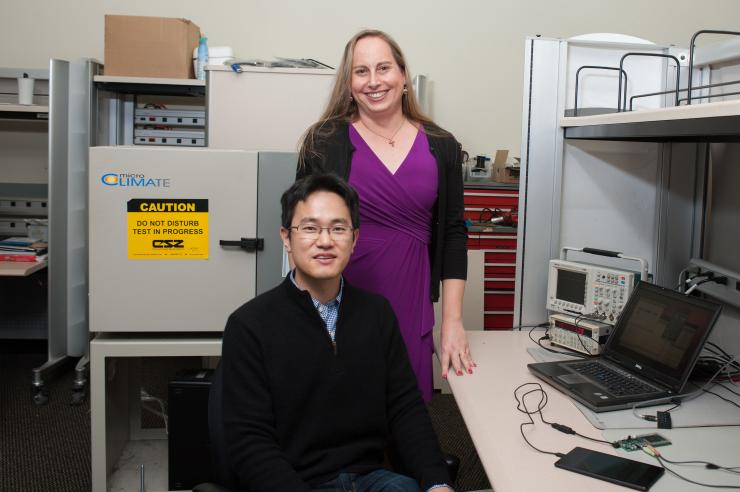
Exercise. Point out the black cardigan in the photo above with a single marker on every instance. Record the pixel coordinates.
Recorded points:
(448, 249)
(297, 410)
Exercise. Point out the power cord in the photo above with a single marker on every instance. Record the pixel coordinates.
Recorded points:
(719, 280)
(580, 318)
(652, 451)
(522, 407)
(541, 325)
(721, 354)
(680, 398)
(145, 398)
(722, 397)
(647, 448)
(707, 464)
(547, 337)
(690, 280)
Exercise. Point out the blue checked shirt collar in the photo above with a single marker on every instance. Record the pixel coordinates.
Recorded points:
(329, 312)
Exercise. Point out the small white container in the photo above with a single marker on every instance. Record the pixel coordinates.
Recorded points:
(37, 229)
(217, 55)
(25, 90)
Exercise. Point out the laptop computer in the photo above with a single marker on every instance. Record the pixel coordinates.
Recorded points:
(648, 356)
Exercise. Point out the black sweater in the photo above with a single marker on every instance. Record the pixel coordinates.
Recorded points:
(448, 249)
(297, 410)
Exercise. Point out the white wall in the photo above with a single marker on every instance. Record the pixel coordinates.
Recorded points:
(472, 50)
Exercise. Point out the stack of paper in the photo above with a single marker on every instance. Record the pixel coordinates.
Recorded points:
(23, 249)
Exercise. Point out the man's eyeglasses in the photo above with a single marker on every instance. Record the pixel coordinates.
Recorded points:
(336, 232)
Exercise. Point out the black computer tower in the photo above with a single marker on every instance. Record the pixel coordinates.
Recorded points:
(189, 442)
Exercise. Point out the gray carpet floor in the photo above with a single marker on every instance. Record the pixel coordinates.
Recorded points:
(47, 448)
(42, 448)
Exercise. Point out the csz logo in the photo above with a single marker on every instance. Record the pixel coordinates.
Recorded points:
(168, 243)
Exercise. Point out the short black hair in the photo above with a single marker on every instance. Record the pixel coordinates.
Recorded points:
(302, 188)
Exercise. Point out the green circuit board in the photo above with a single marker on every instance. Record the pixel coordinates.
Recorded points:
(637, 442)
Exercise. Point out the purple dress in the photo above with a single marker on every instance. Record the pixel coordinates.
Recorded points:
(392, 254)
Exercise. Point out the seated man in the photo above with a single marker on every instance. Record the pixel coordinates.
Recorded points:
(316, 378)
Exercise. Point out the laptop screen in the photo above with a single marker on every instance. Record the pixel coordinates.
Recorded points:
(661, 332)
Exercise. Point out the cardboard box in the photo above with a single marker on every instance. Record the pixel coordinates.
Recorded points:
(150, 46)
(501, 172)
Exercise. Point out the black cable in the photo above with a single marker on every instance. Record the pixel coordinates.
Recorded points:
(723, 360)
(714, 486)
(560, 352)
(578, 319)
(541, 325)
(718, 353)
(689, 279)
(728, 389)
(719, 348)
(714, 348)
(569, 430)
(707, 464)
(561, 427)
(522, 407)
(714, 355)
(719, 280)
(539, 343)
(484, 210)
(722, 398)
(654, 418)
(675, 406)
(555, 425)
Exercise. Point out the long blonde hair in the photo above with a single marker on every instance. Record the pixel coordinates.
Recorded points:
(343, 108)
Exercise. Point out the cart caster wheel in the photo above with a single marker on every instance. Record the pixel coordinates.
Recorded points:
(40, 396)
(78, 397)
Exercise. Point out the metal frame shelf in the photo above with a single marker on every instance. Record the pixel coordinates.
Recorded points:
(709, 122)
(34, 112)
(151, 86)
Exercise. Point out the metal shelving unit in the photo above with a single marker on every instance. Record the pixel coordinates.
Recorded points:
(116, 99)
(45, 165)
(656, 182)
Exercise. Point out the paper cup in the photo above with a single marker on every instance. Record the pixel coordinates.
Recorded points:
(25, 90)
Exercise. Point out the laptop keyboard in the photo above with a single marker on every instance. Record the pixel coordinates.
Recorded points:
(617, 382)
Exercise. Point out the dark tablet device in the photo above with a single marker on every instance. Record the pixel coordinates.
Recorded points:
(628, 473)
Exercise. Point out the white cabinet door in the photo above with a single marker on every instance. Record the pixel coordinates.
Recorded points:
(156, 218)
(265, 108)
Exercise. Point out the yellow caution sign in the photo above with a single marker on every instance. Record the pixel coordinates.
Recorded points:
(167, 229)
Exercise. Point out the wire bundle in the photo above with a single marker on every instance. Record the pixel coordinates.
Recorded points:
(523, 391)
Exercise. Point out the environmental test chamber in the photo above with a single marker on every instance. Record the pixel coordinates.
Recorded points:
(179, 238)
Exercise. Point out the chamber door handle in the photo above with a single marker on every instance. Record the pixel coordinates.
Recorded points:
(250, 244)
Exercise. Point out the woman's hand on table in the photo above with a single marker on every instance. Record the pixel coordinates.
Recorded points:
(455, 349)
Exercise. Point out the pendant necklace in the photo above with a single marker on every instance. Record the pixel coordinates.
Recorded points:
(391, 141)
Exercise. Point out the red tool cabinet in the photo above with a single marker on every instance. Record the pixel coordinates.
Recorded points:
(482, 201)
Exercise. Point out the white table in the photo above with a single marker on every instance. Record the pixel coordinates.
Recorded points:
(486, 401)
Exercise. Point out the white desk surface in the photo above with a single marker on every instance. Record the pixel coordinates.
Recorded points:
(21, 268)
(486, 401)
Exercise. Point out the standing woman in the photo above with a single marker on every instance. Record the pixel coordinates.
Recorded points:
(407, 173)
